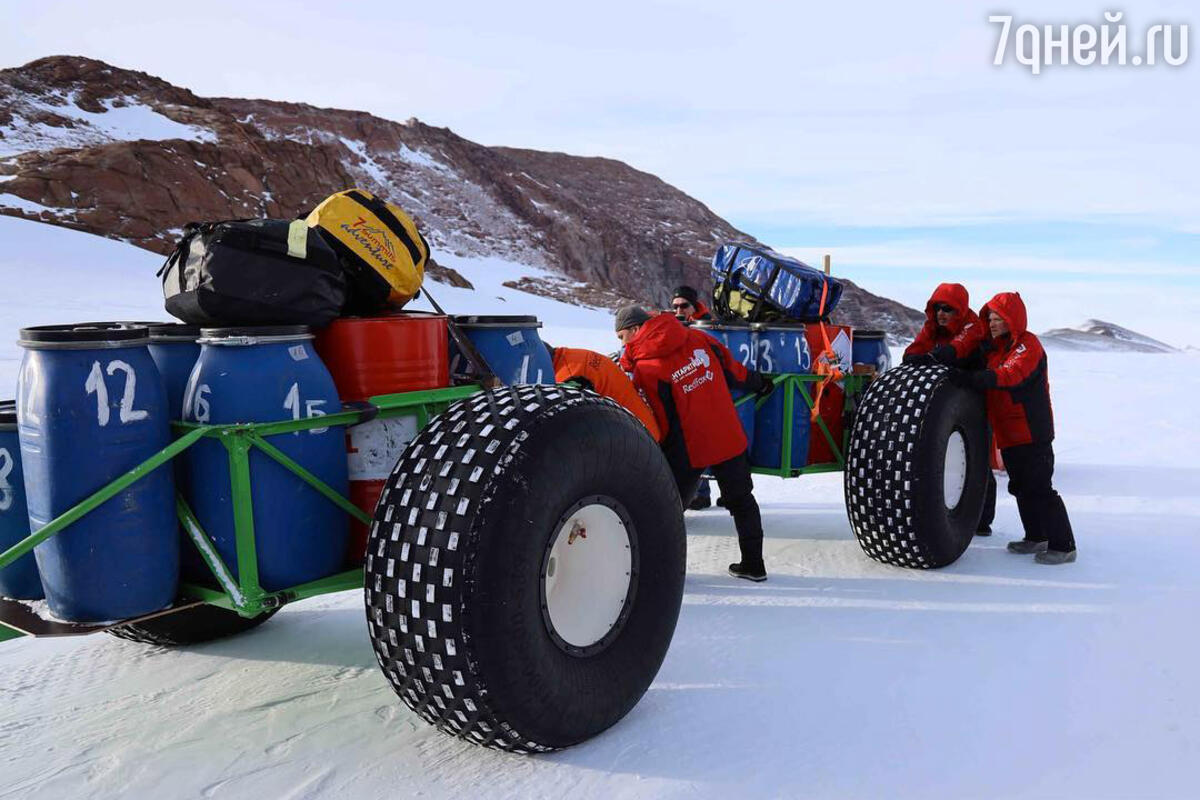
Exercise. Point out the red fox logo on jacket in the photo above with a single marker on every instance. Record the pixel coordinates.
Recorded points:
(685, 377)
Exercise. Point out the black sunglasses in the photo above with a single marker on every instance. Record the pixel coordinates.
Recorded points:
(943, 308)
(684, 304)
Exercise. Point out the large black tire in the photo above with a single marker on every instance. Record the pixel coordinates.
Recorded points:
(900, 451)
(192, 626)
(458, 556)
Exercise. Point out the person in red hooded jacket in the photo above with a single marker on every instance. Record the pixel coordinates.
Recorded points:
(952, 332)
(1019, 410)
(687, 306)
(953, 335)
(685, 377)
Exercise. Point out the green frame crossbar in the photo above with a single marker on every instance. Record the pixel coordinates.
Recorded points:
(792, 384)
(244, 594)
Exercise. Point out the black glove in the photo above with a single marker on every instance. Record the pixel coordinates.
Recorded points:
(976, 380)
(944, 355)
(759, 383)
(919, 359)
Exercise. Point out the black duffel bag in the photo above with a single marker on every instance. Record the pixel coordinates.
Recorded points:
(253, 272)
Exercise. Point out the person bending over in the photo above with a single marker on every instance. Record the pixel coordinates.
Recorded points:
(685, 377)
(600, 373)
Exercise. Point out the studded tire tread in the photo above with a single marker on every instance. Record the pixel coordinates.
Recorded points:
(456, 642)
(893, 475)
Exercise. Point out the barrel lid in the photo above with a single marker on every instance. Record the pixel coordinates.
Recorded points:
(721, 326)
(254, 334)
(780, 325)
(869, 334)
(83, 335)
(390, 316)
(256, 330)
(173, 332)
(8, 414)
(497, 321)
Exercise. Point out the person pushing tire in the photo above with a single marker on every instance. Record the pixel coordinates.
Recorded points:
(1018, 407)
(953, 335)
(685, 377)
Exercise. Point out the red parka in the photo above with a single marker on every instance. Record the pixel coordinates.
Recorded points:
(1018, 386)
(700, 312)
(963, 335)
(685, 376)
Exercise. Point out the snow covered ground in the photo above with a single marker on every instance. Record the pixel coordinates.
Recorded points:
(839, 677)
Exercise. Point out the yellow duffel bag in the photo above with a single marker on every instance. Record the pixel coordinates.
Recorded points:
(381, 250)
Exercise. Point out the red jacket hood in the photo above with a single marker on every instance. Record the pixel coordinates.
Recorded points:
(659, 337)
(1011, 309)
(701, 311)
(954, 295)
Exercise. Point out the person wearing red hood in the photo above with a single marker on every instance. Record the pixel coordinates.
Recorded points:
(685, 376)
(1019, 410)
(952, 335)
(687, 306)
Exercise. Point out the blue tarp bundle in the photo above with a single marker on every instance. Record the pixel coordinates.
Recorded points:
(756, 283)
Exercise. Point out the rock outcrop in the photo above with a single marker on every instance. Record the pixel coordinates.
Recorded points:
(129, 156)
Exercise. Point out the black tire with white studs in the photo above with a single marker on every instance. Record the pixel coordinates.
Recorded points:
(191, 626)
(916, 469)
(525, 568)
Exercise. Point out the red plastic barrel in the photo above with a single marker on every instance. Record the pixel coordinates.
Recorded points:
(368, 356)
(403, 352)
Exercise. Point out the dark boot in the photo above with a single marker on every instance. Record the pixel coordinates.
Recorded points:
(1055, 557)
(1026, 546)
(756, 572)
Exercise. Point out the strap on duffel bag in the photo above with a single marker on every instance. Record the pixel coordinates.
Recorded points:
(383, 253)
(253, 272)
(759, 285)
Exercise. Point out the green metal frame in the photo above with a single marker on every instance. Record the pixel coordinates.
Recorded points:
(245, 594)
(853, 385)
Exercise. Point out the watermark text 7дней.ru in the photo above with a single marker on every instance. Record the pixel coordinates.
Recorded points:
(1084, 44)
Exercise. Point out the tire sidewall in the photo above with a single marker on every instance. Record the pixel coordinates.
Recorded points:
(946, 533)
(548, 693)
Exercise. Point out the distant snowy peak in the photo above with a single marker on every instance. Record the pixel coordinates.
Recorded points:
(1097, 335)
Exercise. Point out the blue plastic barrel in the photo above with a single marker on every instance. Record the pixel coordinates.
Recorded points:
(19, 580)
(739, 339)
(870, 348)
(92, 407)
(174, 349)
(781, 349)
(267, 374)
(510, 345)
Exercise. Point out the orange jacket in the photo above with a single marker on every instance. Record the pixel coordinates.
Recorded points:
(605, 378)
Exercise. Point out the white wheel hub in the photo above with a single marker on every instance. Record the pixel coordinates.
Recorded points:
(954, 473)
(587, 575)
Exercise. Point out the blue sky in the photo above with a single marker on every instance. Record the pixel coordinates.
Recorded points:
(880, 132)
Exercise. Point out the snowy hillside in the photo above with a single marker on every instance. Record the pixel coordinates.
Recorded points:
(1097, 335)
(837, 678)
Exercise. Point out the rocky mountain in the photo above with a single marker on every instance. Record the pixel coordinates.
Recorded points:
(129, 156)
(1097, 335)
